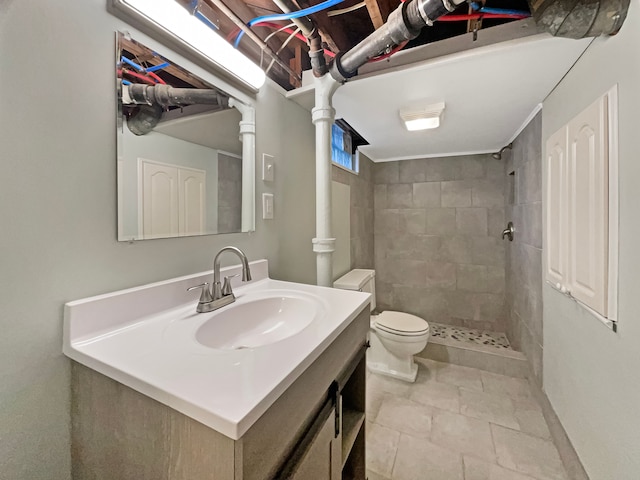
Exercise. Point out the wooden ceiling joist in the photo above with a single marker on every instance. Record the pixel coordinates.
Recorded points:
(374, 12)
(145, 55)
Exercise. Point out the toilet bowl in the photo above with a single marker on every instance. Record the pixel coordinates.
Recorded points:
(395, 337)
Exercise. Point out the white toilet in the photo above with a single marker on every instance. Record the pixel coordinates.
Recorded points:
(395, 337)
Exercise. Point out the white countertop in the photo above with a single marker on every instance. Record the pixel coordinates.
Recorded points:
(145, 338)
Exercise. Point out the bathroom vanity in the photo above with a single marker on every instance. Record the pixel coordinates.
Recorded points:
(160, 392)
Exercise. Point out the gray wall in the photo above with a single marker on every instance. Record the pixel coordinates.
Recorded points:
(361, 211)
(58, 211)
(591, 373)
(162, 148)
(229, 193)
(523, 196)
(438, 252)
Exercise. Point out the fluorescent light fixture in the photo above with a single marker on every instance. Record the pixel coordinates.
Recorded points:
(422, 118)
(176, 20)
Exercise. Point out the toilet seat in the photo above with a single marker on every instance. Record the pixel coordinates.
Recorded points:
(402, 324)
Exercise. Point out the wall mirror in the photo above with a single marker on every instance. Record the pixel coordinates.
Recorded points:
(186, 150)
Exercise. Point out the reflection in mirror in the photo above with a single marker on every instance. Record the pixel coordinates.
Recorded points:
(185, 151)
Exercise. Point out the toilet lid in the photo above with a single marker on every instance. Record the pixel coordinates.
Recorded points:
(401, 323)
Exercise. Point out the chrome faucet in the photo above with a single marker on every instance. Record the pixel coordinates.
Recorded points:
(221, 295)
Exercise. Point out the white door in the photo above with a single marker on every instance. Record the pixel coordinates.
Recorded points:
(159, 200)
(588, 206)
(191, 201)
(556, 207)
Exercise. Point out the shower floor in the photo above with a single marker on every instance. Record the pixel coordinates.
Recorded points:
(470, 335)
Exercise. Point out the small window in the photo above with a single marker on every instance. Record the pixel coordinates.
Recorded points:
(341, 149)
(344, 146)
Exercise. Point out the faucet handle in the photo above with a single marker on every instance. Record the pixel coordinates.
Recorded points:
(226, 286)
(205, 295)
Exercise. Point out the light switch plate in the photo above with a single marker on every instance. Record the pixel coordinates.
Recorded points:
(267, 206)
(268, 167)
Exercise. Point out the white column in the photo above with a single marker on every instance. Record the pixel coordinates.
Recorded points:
(248, 139)
(323, 115)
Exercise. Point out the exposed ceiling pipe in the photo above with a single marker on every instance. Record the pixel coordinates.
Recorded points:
(168, 96)
(309, 30)
(403, 24)
(153, 99)
(579, 18)
(242, 26)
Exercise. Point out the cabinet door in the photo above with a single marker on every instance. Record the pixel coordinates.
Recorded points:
(319, 453)
(556, 207)
(588, 206)
(322, 460)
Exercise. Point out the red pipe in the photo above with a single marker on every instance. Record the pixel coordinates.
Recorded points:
(476, 16)
(129, 73)
(445, 18)
(396, 49)
(449, 18)
(156, 77)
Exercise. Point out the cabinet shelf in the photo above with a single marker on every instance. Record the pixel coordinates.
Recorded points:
(352, 421)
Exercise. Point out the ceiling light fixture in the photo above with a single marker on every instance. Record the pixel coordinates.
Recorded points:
(422, 118)
(173, 19)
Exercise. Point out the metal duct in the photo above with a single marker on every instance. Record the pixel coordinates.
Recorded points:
(144, 119)
(579, 18)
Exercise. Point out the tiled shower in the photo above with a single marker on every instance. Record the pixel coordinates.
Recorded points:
(438, 251)
(432, 230)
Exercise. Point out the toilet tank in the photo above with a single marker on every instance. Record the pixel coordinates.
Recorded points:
(361, 280)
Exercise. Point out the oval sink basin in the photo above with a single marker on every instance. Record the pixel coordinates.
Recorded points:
(259, 322)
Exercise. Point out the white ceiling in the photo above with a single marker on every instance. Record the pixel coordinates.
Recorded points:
(490, 94)
(218, 130)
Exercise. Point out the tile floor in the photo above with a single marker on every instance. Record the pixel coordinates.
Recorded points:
(457, 423)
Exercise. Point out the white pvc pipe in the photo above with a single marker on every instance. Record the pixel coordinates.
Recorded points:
(323, 115)
(248, 138)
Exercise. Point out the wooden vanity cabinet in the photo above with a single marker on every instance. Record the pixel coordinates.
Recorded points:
(313, 431)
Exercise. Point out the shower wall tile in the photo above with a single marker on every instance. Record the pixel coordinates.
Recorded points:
(488, 193)
(456, 194)
(441, 221)
(524, 254)
(473, 167)
(496, 221)
(456, 249)
(386, 172)
(481, 278)
(531, 225)
(440, 275)
(412, 221)
(488, 251)
(440, 255)
(410, 246)
(426, 194)
(471, 221)
(379, 196)
(442, 169)
(400, 196)
(412, 171)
